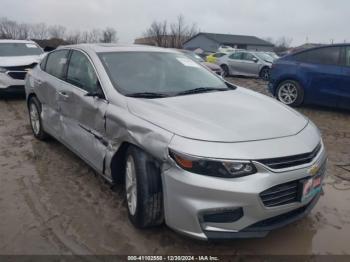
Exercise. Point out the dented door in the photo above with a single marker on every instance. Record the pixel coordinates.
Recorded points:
(83, 116)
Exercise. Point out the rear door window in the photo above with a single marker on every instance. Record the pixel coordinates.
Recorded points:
(56, 63)
(325, 56)
(236, 56)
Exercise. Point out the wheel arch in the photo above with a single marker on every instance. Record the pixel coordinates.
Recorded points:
(117, 163)
(31, 95)
(287, 78)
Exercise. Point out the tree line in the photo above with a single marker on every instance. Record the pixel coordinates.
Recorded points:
(10, 29)
(171, 35)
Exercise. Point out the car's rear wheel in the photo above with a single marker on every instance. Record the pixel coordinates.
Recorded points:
(265, 73)
(34, 107)
(225, 71)
(143, 189)
(290, 93)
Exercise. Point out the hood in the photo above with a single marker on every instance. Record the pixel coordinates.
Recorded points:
(7, 61)
(232, 116)
(211, 66)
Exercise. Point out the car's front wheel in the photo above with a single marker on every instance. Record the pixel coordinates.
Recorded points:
(143, 189)
(290, 93)
(225, 71)
(34, 107)
(265, 74)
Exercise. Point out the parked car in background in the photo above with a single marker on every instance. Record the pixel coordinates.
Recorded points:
(212, 160)
(17, 57)
(226, 49)
(315, 76)
(246, 63)
(212, 58)
(273, 55)
(213, 67)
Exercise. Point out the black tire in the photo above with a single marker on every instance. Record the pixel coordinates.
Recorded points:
(41, 134)
(149, 204)
(300, 93)
(265, 73)
(225, 71)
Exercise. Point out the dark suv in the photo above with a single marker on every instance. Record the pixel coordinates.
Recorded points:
(315, 76)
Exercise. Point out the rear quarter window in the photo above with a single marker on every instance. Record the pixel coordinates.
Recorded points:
(347, 56)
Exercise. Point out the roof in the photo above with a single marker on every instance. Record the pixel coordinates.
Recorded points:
(100, 48)
(16, 41)
(234, 39)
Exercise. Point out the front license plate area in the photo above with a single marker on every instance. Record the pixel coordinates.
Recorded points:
(309, 187)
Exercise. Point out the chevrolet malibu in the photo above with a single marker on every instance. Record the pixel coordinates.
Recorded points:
(210, 159)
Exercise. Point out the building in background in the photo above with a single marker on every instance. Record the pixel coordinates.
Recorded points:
(211, 42)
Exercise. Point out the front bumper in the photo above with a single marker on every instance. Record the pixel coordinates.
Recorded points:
(9, 84)
(188, 196)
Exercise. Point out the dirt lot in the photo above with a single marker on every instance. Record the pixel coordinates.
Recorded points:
(52, 203)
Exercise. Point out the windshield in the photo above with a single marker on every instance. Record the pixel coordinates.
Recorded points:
(264, 57)
(157, 72)
(19, 49)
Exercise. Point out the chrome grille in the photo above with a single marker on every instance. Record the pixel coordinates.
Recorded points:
(290, 161)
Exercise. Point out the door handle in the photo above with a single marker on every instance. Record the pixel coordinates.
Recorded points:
(63, 94)
(37, 82)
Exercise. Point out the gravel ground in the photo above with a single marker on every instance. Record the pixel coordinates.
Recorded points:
(51, 202)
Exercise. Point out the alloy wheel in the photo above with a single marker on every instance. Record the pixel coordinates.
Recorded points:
(131, 185)
(265, 74)
(34, 118)
(288, 93)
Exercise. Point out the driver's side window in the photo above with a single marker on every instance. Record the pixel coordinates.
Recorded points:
(249, 57)
(81, 73)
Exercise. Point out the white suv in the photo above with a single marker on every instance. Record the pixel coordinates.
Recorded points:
(17, 57)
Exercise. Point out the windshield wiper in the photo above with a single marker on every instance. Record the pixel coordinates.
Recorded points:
(147, 95)
(201, 90)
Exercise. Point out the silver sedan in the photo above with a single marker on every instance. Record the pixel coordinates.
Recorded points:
(210, 159)
(246, 63)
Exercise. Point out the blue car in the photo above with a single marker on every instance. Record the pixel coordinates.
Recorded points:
(319, 76)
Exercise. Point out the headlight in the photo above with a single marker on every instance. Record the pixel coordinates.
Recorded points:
(225, 169)
(3, 70)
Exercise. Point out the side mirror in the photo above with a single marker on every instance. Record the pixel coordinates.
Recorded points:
(255, 60)
(97, 93)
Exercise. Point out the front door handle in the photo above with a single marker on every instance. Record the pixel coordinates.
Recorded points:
(63, 94)
(38, 82)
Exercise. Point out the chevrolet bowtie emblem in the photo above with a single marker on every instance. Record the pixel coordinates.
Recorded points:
(314, 170)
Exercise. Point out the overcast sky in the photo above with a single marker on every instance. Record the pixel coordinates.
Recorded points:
(316, 20)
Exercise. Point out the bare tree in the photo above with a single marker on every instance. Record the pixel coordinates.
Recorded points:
(173, 36)
(158, 31)
(180, 32)
(74, 37)
(57, 31)
(12, 30)
(284, 42)
(24, 31)
(8, 29)
(281, 44)
(39, 31)
(109, 35)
